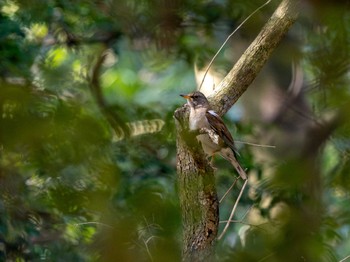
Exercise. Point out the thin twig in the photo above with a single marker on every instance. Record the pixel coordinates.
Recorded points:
(228, 190)
(266, 257)
(244, 223)
(241, 221)
(246, 213)
(233, 210)
(345, 258)
(92, 223)
(253, 144)
(147, 249)
(150, 238)
(222, 46)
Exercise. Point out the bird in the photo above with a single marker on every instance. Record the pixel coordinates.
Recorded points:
(214, 135)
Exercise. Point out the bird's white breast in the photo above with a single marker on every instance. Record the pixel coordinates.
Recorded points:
(198, 119)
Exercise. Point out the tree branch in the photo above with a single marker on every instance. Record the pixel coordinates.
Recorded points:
(254, 58)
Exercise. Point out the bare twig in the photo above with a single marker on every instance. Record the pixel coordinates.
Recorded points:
(244, 223)
(345, 258)
(228, 190)
(222, 46)
(147, 248)
(233, 210)
(266, 257)
(246, 213)
(93, 223)
(253, 144)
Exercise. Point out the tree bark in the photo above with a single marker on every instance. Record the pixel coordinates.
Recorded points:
(198, 198)
(196, 182)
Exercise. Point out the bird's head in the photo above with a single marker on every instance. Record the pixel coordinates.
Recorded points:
(196, 100)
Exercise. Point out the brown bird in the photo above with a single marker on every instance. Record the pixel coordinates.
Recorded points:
(214, 135)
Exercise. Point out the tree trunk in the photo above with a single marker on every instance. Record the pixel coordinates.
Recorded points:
(196, 182)
(198, 198)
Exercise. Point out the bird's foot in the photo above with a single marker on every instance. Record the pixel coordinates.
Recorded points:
(211, 162)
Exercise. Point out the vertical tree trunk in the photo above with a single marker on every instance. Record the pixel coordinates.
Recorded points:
(198, 198)
(196, 182)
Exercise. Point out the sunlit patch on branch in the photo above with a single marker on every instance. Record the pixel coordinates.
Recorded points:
(141, 127)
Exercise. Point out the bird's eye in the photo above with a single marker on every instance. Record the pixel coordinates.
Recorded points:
(195, 96)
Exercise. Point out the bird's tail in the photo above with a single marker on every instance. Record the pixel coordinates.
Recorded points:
(228, 154)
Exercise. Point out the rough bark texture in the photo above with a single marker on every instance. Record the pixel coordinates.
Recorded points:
(198, 198)
(196, 182)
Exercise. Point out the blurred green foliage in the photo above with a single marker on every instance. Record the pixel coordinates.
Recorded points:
(70, 191)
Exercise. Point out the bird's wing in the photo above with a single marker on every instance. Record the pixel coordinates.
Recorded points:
(220, 128)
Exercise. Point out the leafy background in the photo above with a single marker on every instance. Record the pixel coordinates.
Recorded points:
(73, 188)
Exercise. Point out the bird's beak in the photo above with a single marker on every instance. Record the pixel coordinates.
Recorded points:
(185, 96)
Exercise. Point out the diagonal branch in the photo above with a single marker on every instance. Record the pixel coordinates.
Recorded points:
(233, 210)
(254, 58)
